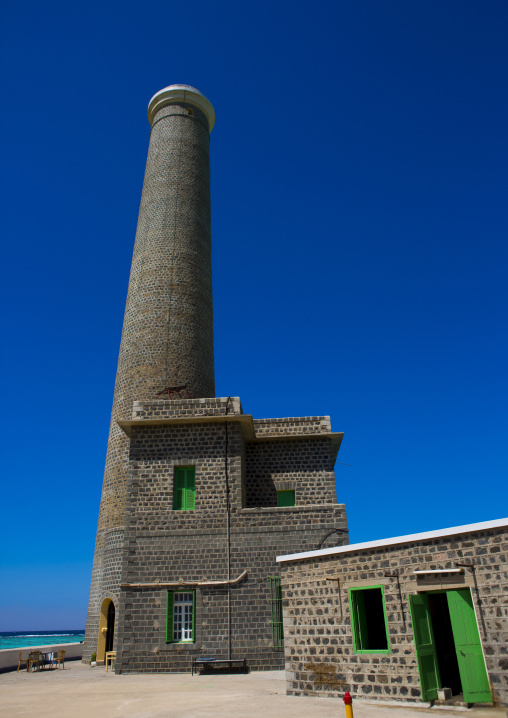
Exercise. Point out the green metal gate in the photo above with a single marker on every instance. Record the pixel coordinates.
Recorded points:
(276, 606)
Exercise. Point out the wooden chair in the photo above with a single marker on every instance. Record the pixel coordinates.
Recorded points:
(23, 659)
(59, 658)
(111, 657)
(34, 660)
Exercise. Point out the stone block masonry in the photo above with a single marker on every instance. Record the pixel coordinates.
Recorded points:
(166, 548)
(167, 336)
(167, 426)
(321, 658)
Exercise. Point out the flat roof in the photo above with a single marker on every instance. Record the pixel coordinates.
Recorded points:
(484, 525)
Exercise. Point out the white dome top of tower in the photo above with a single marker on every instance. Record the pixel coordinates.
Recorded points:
(181, 93)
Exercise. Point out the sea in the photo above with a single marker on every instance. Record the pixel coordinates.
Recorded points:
(25, 639)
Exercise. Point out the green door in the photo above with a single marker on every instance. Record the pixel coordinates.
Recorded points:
(425, 646)
(473, 674)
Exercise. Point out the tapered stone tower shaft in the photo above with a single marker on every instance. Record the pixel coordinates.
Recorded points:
(167, 337)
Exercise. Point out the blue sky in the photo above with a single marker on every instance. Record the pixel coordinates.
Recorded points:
(359, 208)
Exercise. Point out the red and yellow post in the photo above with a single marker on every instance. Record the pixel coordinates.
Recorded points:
(348, 702)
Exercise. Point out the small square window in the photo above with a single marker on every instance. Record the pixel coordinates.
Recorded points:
(184, 488)
(368, 620)
(286, 498)
(190, 111)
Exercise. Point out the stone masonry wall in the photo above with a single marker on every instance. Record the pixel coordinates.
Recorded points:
(164, 545)
(320, 659)
(166, 409)
(292, 425)
(270, 467)
(167, 336)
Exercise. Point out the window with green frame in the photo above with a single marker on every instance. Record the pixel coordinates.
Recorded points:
(184, 488)
(286, 498)
(180, 616)
(368, 620)
(276, 606)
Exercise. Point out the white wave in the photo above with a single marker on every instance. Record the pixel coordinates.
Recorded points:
(41, 635)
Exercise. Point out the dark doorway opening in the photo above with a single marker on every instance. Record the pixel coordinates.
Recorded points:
(110, 633)
(444, 642)
(375, 619)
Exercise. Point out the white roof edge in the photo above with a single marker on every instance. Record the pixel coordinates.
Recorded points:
(497, 523)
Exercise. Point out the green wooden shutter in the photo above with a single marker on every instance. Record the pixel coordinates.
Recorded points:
(473, 674)
(425, 647)
(286, 498)
(179, 489)
(363, 634)
(190, 488)
(184, 488)
(169, 617)
(353, 605)
(359, 621)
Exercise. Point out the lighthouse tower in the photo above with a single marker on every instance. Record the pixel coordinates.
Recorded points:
(198, 497)
(166, 349)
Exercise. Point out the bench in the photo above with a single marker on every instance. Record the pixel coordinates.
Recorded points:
(210, 663)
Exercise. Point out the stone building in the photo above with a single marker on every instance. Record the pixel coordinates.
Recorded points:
(198, 497)
(420, 618)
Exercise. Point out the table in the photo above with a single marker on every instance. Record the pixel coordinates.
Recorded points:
(210, 663)
(46, 660)
(37, 660)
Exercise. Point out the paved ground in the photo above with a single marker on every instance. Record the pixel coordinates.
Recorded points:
(84, 692)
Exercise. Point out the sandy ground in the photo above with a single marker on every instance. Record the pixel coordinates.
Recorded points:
(80, 691)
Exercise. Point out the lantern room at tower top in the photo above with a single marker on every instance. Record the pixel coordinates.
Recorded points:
(185, 94)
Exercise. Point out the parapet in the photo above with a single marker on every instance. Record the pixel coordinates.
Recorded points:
(198, 411)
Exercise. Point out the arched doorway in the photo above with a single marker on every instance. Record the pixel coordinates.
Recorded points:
(106, 639)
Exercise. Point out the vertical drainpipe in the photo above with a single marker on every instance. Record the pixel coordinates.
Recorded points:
(228, 528)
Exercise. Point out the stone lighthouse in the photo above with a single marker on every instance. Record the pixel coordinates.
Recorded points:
(198, 497)
(167, 338)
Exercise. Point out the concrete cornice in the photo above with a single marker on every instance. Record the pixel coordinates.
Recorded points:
(244, 419)
(181, 93)
(247, 424)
